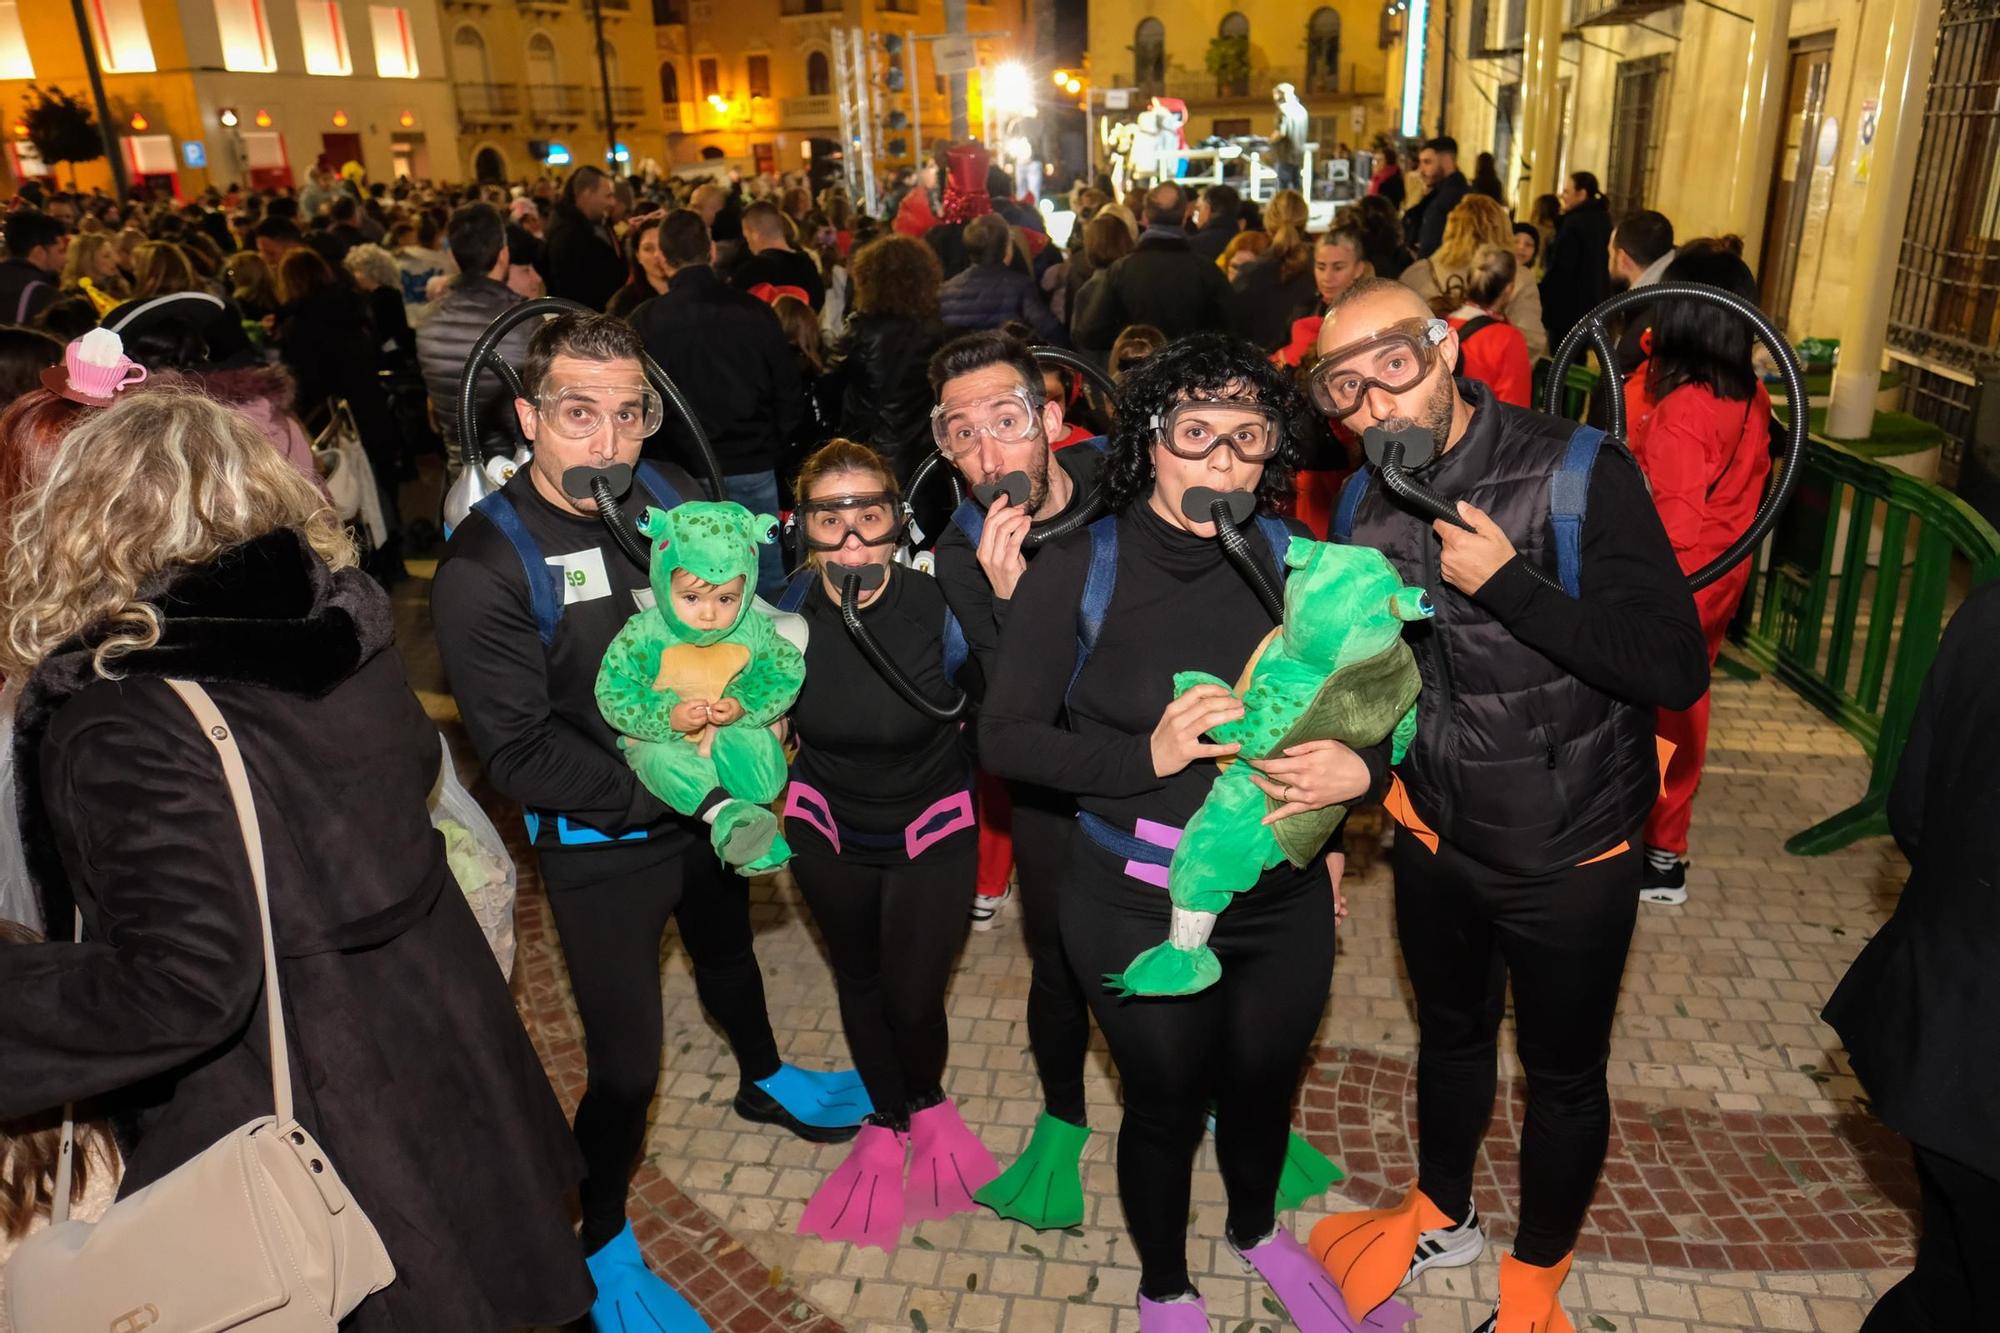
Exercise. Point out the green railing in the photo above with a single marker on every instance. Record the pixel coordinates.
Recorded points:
(1847, 599)
(1849, 611)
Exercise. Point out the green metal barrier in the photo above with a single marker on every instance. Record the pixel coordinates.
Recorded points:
(1854, 638)
(1577, 387)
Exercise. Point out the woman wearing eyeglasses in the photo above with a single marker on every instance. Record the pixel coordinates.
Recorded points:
(1206, 412)
(885, 847)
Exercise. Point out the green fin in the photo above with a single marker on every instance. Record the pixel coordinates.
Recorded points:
(1044, 1186)
(748, 838)
(1308, 1173)
(1165, 970)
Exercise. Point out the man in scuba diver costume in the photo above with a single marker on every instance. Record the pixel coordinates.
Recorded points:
(529, 596)
(994, 423)
(1561, 622)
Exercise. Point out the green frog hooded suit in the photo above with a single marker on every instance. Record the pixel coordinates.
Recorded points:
(728, 775)
(1337, 669)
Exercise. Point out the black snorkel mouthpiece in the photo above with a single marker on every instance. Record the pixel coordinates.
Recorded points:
(1015, 486)
(1394, 452)
(855, 580)
(1226, 509)
(605, 485)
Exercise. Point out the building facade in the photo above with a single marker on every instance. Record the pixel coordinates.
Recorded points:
(756, 82)
(209, 92)
(1222, 58)
(529, 83)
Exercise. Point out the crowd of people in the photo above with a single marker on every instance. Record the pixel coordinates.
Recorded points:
(989, 711)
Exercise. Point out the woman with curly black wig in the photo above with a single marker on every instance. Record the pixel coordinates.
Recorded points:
(1208, 411)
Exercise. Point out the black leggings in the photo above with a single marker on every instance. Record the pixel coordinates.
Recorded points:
(611, 909)
(1058, 1014)
(1465, 927)
(1961, 1236)
(893, 930)
(1239, 1044)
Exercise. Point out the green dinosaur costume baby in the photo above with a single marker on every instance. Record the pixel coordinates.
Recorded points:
(657, 661)
(1337, 669)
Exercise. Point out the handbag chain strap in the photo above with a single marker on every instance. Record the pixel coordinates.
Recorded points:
(219, 734)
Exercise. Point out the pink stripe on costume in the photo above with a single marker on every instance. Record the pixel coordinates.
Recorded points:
(958, 805)
(808, 806)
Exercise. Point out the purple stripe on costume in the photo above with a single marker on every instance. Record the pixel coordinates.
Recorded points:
(804, 803)
(1145, 874)
(1160, 835)
(958, 806)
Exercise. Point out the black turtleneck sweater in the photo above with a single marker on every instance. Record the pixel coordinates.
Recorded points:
(1179, 605)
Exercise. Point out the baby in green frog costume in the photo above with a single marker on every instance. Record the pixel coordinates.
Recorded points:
(1337, 669)
(694, 683)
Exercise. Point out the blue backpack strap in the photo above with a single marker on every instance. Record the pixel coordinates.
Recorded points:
(794, 595)
(1569, 500)
(1097, 587)
(657, 485)
(1351, 492)
(956, 649)
(970, 519)
(545, 593)
(1279, 538)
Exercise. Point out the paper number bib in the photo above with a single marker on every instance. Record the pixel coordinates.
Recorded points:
(583, 576)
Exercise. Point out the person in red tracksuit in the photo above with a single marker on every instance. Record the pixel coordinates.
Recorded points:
(1699, 423)
(1490, 349)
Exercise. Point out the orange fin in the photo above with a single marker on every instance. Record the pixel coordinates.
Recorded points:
(1368, 1253)
(1528, 1294)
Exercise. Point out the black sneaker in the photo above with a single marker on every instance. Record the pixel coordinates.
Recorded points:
(1665, 884)
(755, 1104)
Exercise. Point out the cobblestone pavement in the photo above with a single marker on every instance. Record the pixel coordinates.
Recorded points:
(1747, 1185)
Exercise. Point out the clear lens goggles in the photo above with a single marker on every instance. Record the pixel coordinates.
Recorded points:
(876, 519)
(1009, 418)
(1194, 430)
(579, 411)
(1393, 359)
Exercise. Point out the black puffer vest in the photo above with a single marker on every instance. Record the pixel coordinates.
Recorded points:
(1516, 762)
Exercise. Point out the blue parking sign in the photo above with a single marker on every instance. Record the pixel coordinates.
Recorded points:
(194, 153)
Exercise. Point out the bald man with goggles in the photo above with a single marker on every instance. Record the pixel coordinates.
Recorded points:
(1562, 622)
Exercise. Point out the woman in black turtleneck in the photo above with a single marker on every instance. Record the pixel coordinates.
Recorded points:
(1134, 758)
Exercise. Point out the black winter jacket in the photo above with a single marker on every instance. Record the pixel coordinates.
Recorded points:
(986, 296)
(25, 291)
(1267, 303)
(727, 352)
(1534, 746)
(1423, 225)
(1578, 275)
(1920, 1005)
(408, 1059)
(444, 341)
(579, 260)
(1162, 283)
(882, 364)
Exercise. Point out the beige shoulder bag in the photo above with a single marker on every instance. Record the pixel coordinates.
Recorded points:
(255, 1233)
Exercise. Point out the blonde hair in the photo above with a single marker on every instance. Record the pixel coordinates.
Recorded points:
(1285, 218)
(163, 479)
(1476, 221)
(82, 263)
(161, 268)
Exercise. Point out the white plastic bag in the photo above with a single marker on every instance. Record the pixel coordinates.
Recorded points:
(478, 858)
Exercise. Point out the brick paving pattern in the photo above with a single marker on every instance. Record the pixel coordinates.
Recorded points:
(1741, 1135)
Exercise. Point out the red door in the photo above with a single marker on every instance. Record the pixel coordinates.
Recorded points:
(338, 149)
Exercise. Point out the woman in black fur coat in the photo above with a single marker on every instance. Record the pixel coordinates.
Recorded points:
(169, 540)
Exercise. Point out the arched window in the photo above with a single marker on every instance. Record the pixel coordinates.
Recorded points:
(545, 99)
(1149, 56)
(1229, 56)
(670, 83)
(489, 165)
(1323, 52)
(819, 76)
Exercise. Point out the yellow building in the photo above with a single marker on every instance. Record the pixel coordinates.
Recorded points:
(530, 88)
(1332, 53)
(752, 81)
(299, 81)
(1851, 146)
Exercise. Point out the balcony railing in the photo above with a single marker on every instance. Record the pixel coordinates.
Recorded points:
(670, 117)
(555, 101)
(627, 103)
(806, 111)
(487, 103)
(1191, 85)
